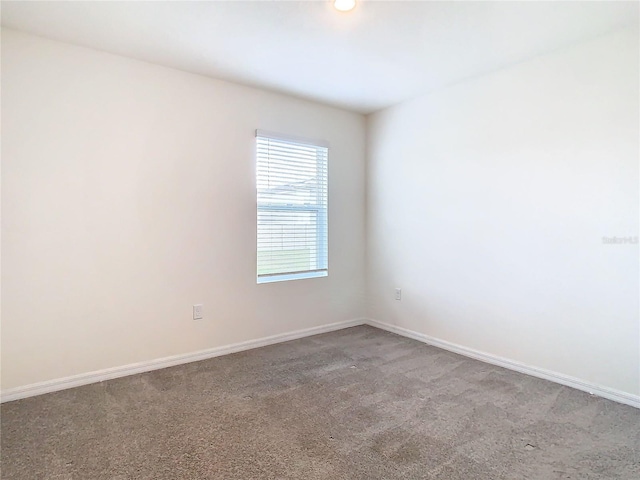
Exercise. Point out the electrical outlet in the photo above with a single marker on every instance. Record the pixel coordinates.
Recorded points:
(197, 312)
(398, 294)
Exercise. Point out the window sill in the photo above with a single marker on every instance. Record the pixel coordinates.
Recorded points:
(291, 276)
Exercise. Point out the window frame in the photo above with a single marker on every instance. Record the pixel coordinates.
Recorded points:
(321, 212)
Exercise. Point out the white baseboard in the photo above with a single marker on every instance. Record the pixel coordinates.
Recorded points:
(134, 368)
(601, 391)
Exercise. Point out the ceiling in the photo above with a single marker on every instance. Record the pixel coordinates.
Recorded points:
(377, 55)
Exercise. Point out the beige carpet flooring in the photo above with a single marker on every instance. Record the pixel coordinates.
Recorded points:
(359, 403)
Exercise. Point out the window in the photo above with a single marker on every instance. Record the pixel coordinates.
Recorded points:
(292, 208)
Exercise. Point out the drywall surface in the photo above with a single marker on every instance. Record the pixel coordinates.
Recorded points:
(487, 203)
(128, 195)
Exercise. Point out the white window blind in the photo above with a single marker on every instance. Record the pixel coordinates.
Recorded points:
(292, 208)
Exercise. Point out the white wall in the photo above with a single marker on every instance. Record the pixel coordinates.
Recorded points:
(128, 194)
(487, 204)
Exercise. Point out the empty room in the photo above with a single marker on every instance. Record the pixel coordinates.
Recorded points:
(326, 239)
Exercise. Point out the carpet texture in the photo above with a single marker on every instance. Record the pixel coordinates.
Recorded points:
(359, 403)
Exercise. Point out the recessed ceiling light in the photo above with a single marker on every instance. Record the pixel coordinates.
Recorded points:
(344, 5)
